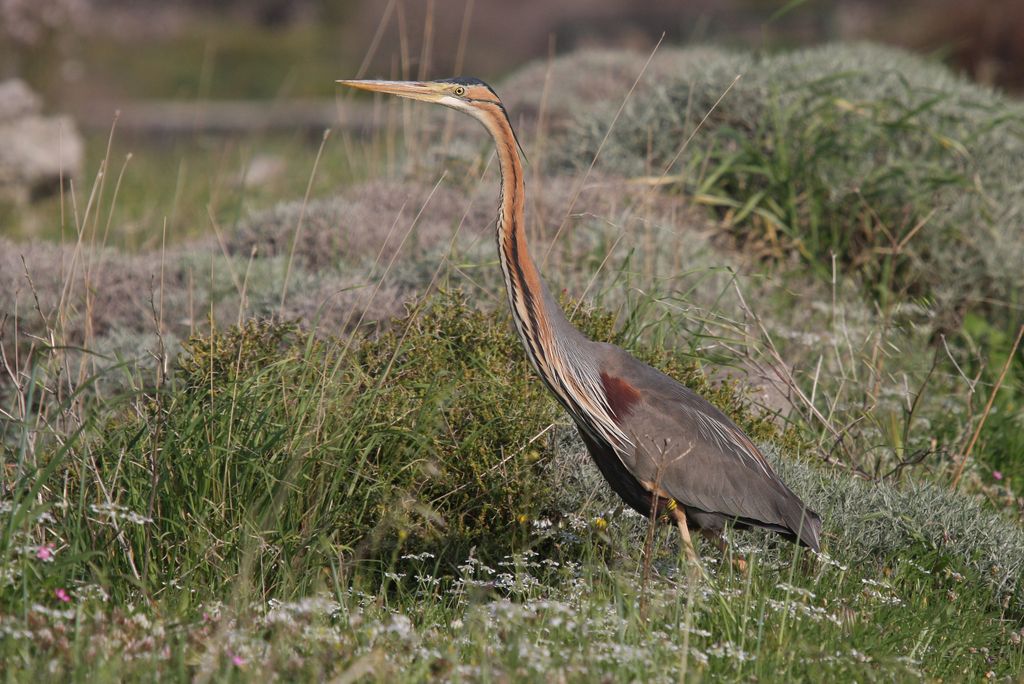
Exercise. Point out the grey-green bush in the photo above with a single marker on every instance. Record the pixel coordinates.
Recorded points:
(841, 149)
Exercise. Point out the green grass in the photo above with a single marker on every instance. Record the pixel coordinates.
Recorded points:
(335, 449)
(215, 57)
(413, 483)
(180, 183)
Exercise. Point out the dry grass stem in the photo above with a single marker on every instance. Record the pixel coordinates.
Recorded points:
(988, 408)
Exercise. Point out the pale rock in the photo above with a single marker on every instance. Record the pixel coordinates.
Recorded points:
(36, 151)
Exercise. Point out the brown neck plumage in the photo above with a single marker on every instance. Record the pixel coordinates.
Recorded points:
(552, 344)
(526, 292)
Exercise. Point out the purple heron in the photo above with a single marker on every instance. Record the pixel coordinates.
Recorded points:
(664, 449)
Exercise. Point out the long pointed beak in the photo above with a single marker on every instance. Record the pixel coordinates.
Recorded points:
(415, 90)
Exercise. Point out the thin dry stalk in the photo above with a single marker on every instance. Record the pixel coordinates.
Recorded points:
(777, 372)
(380, 281)
(535, 228)
(648, 553)
(113, 200)
(691, 595)
(428, 40)
(597, 272)
(121, 539)
(645, 568)
(375, 42)
(12, 372)
(653, 183)
(597, 154)
(460, 56)
(242, 303)
(224, 250)
(779, 368)
(302, 217)
(988, 408)
(664, 178)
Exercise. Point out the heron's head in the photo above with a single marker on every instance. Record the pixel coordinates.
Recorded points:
(469, 95)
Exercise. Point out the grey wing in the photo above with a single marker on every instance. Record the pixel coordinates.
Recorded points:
(694, 453)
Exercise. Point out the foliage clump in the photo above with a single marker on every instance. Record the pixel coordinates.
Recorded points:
(902, 170)
(276, 450)
(218, 360)
(950, 532)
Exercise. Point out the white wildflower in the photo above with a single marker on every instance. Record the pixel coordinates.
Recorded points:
(113, 512)
(426, 555)
(799, 591)
(401, 626)
(54, 613)
(727, 649)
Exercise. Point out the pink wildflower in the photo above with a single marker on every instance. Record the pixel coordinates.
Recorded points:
(63, 595)
(45, 553)
(997, 474)
(238, 660)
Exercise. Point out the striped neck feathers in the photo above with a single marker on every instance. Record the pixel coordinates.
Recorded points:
(554, 346)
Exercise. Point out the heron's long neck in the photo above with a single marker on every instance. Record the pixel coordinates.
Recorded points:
(555, 348)
(538, 318)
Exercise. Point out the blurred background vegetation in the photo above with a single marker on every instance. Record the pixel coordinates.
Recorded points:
(94, 58)
(74, 51)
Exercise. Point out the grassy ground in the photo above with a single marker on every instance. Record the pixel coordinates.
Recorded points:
(205, 57)
(369, 490)
(183, 186)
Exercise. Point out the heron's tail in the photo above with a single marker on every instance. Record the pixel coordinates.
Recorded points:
(801, 524)
(808, 529)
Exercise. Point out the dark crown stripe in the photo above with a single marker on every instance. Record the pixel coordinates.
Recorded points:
(464, 80)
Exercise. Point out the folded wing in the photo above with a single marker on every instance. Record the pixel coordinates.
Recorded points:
(694, 453)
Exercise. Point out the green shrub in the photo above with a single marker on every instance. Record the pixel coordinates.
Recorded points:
(904, 171)
(274, 456)
(305, 454)
(276, 466)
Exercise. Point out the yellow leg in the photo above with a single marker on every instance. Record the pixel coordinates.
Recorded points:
(697, 570)
(684, 532)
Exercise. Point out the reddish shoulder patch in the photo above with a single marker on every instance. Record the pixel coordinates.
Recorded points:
(621, 395)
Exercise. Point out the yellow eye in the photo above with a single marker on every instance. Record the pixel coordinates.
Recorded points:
(460, 91)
